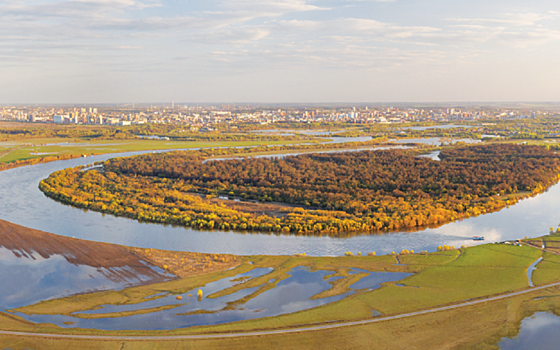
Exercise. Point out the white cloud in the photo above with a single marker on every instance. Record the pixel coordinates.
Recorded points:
(241, 36)
(369, 28)
(238, 35)
(513, 19)
(270, 7)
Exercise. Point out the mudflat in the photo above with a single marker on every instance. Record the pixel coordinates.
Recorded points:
(26, 242)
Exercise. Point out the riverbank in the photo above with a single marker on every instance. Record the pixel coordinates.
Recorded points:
(444, 278)
(125, 262)
(356, 192)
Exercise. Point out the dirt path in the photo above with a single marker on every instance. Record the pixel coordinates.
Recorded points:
(540, 247)
(281, 331)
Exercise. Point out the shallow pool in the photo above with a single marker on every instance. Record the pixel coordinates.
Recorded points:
(539, 331)
(294, 293)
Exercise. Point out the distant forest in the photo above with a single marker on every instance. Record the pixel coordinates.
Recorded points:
(329, 193)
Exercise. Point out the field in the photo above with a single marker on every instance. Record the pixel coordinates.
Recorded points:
(441, 278)
(476, 327)
(37, 148)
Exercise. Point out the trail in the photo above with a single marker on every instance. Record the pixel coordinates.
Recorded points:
(280, 331)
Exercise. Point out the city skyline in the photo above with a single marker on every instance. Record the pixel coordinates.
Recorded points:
(284, 51)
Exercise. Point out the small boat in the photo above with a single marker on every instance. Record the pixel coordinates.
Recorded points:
(478, 238)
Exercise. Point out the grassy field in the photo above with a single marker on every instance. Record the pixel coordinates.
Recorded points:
(473, 327)
(25, 149)
(476, 327)
(36, 148)
(439, 278)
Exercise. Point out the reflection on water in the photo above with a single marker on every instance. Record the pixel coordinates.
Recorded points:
(374, 279)
(289, 295)
(449, 126)
(530, 270)
(30, 278)
(284, 155)
(294, 131)
(539, 331)
(434, 141)
(432, 155)
(24, 204)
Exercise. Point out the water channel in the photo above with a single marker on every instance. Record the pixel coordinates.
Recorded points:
(164, 311)
(22, 203)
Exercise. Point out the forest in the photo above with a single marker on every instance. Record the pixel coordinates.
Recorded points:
(319, 193)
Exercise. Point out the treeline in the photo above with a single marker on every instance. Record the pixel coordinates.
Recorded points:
(46, 159)
(166, 201)
(367, 191)
(95, 132)
(64, 131)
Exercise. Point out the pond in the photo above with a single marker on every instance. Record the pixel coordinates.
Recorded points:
(434, 141)
(432, 155)
(294, 293)
(22, 203)
(539, 331)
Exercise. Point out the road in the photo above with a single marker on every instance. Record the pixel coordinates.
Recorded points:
(280, 331)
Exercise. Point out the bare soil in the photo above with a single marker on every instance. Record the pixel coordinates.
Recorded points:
(26, 242)
(186, 264)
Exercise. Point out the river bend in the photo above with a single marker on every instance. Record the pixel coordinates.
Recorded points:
(24, 204)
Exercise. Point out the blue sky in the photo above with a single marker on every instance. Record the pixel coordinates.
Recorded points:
(279, 51)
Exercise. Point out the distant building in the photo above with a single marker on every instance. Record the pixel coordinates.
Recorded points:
(60, 119)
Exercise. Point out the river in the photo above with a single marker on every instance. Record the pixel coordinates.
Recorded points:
(22, 203)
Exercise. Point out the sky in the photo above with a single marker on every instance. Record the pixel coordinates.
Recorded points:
(279, 51)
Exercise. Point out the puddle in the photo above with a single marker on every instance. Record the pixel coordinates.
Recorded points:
(374, 279)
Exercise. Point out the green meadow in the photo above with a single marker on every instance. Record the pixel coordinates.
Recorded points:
(36, 148)
(440, 278)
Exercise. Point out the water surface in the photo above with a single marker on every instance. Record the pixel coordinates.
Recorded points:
(54, 277)
(432, 155)
(539, 331)
(449, 126)
(295, 293)
(23, 203)
(530, 270)
(434, 141)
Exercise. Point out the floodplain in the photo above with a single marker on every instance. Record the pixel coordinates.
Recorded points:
(263, 293)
